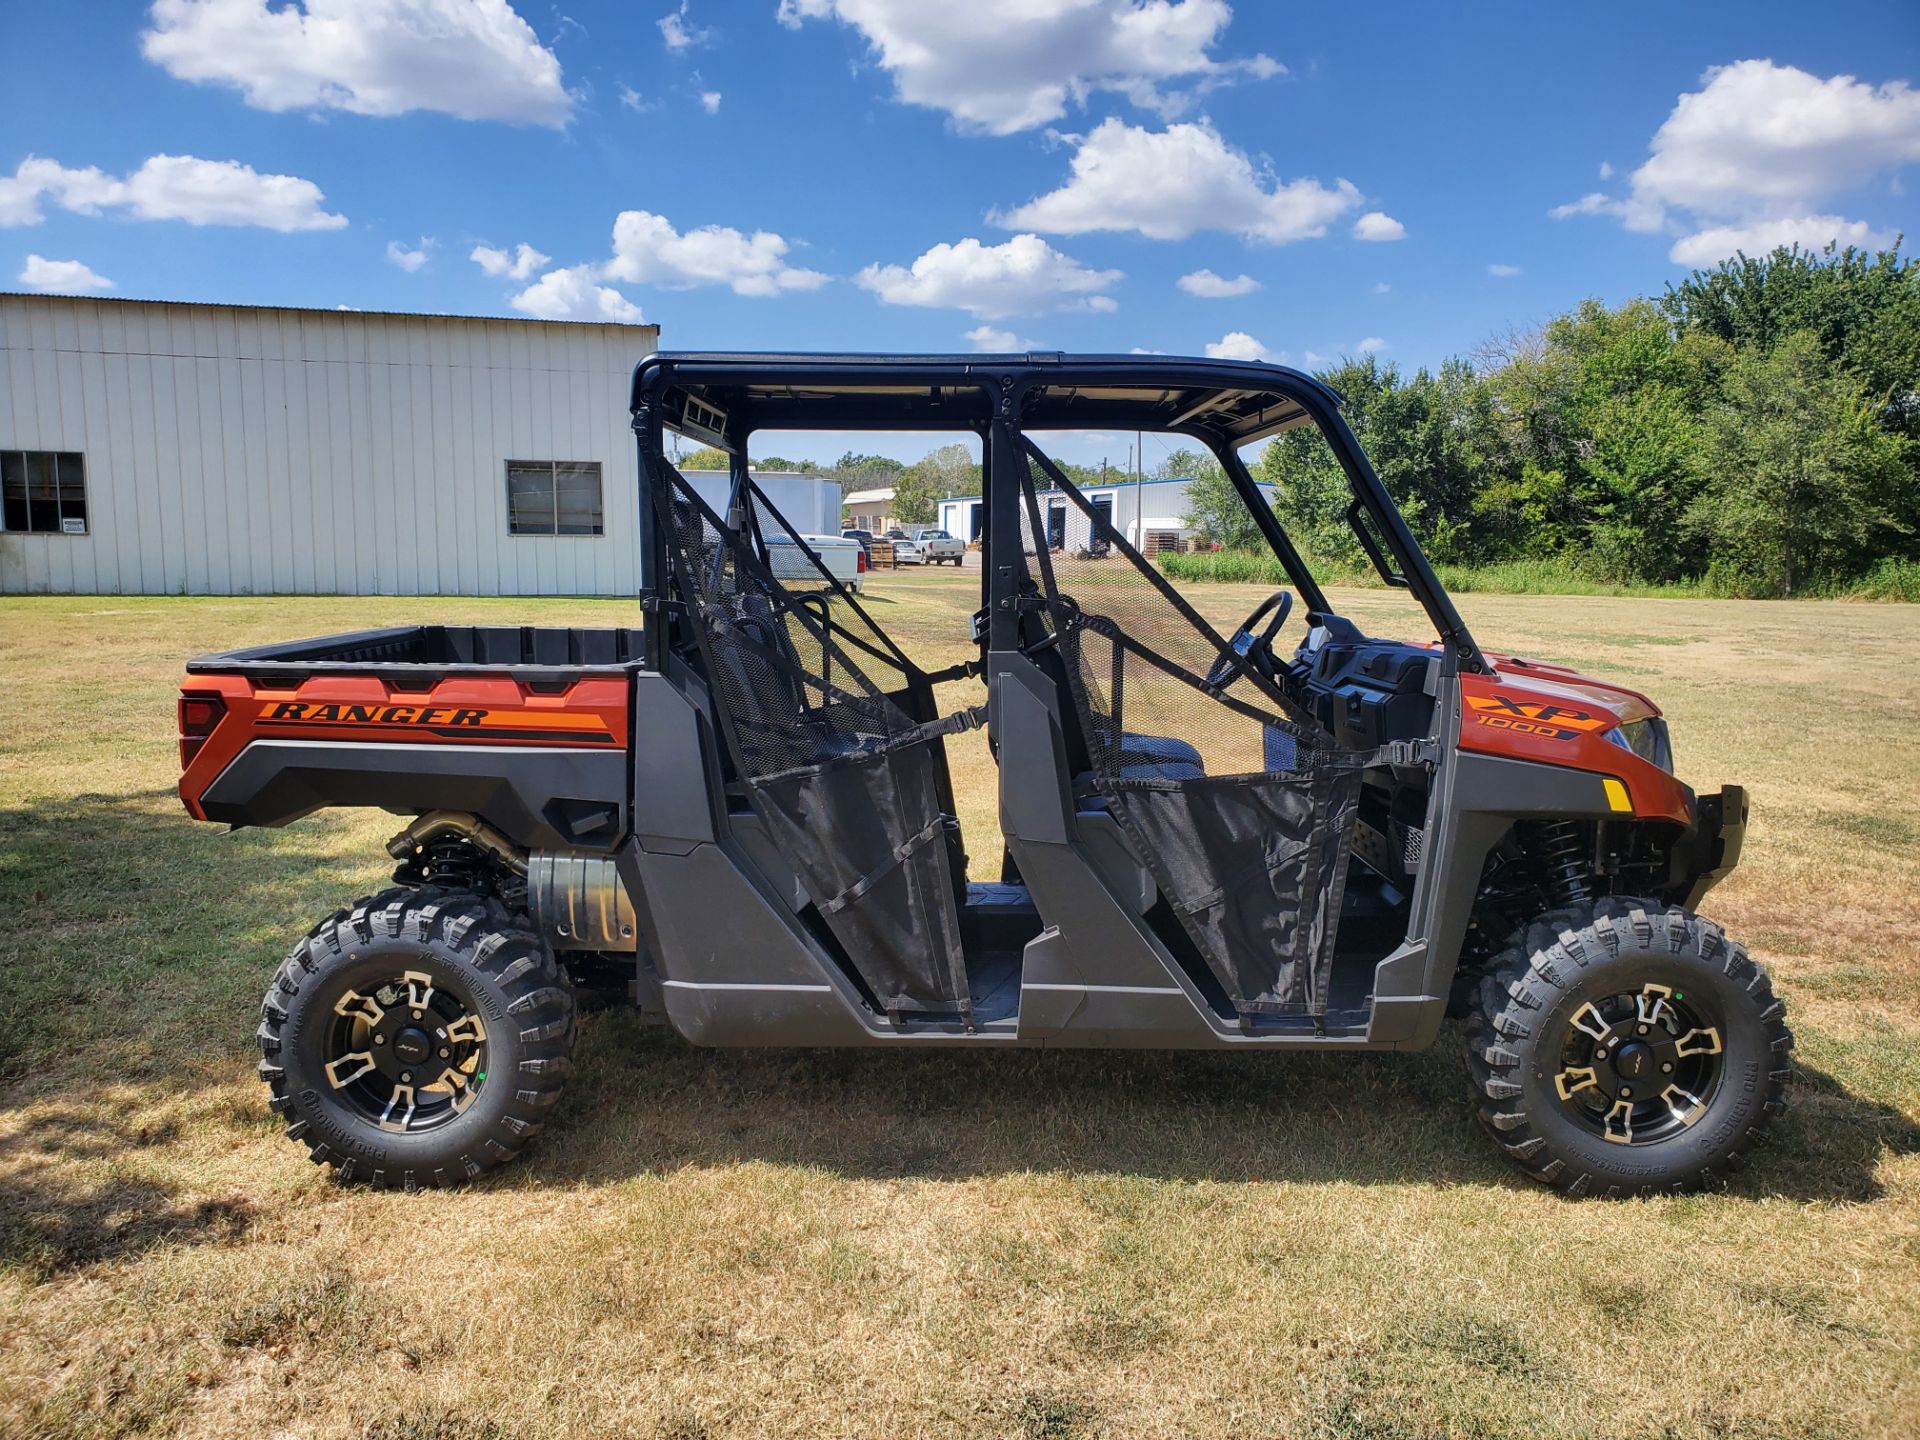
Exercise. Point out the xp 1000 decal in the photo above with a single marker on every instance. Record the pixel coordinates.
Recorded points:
(1534, 717)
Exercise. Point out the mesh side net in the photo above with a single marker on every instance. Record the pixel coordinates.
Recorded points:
(1240, 805)
(811, 694)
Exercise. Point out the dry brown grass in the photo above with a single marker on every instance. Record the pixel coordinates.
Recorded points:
(715, 1244)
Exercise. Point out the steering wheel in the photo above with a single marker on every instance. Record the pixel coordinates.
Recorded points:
(1255, 649)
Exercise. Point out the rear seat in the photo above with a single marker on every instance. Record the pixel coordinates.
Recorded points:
(1158, 757)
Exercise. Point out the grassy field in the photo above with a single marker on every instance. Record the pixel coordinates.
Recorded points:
(718, 1244)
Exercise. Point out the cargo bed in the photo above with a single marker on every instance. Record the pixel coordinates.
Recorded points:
(422, 654)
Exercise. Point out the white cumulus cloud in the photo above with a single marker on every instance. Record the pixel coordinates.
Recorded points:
(1761, 237)
(61, 277)
(985, 337)
(710, 101)
(475, 59)
(1023, 276)
(168, 187)
(1757, 131)
(1209, 286)
(679, 31)
(574, 293)
(515, 264)
(1503, 272)
(1755, 152)
(647, 250)
(999, 66)
(1378, 225)
(1372, 345)
(1239, 345)
(409, 257)
(1594, 202)
(1166, 184)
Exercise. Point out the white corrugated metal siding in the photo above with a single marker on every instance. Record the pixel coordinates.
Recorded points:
(233, 450)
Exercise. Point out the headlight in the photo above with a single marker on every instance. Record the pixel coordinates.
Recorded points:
(1647, 739)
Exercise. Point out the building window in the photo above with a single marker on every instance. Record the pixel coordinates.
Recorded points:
(44, 492)
(554, 497)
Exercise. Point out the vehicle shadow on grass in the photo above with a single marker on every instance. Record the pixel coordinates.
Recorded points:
(642, 1101)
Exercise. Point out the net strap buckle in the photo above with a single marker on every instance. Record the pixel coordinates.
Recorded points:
(974, 717)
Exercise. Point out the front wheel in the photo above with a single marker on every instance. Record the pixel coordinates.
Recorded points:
(1628, 1048)
(418, 1038)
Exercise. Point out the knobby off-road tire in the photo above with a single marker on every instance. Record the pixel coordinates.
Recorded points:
(1547, 996)
(514, 1032)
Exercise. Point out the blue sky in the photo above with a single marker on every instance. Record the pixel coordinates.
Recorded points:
(894, 174)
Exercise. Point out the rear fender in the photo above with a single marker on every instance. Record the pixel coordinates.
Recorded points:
(539, 799)
(546, 765)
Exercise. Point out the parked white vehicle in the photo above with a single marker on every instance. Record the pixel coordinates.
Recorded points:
(939, 547)
(908, 552)
(846, 560)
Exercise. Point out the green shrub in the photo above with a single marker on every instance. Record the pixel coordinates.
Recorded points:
(1890, 580)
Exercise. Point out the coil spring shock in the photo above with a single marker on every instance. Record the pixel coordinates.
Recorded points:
(1564, 870)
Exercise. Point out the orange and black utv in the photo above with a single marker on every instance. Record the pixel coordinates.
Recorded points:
(742, 807)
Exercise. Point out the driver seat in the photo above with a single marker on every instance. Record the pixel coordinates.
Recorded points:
(1143, 757)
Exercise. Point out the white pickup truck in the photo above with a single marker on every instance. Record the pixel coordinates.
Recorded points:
(845, 559)
(939, 547)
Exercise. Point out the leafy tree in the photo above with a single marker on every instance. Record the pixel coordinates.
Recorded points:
(1309, 489)
(1217, 513)
(1080, 475)
(1797, 468)
(1862, 310)
(858, 472)
(1184, 464)
(705, 458)
(1591, 440)
(1424, 437)
(947, 471)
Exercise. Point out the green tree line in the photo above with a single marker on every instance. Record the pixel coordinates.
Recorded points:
(1755, 429)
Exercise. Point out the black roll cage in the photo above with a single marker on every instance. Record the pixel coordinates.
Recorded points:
(723, 398)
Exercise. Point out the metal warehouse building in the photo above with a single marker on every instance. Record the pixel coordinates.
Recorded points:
(161, 448)
(1151, 514)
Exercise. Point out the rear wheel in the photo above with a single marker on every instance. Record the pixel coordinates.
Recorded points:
(418, 1038)
(1627, 1048)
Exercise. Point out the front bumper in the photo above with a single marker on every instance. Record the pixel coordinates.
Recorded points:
(1707, 853)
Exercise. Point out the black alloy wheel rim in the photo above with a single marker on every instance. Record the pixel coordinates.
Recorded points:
(1637, 1068)
(407, 1054)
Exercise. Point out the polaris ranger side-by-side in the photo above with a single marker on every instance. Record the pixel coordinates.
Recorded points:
(742, 807)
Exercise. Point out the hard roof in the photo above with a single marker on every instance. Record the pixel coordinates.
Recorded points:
(339, 312)
(714, 393)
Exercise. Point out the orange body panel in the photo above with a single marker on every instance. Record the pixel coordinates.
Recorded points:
(459, 710)
(1555, 716)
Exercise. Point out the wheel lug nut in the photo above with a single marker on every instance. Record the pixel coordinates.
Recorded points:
(418, 1013)
(379, 1039)
(1599, 1054)
(406, 1077)
(444, 1052)
(1626, 1090)
(1666, 1069)
(1643, 1029)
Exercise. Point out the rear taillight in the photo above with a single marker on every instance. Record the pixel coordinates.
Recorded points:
(860, 563)
(199, 716)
